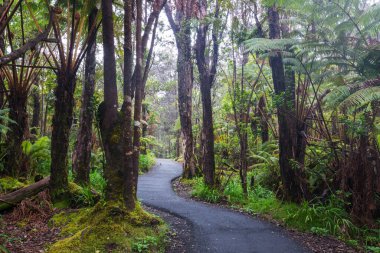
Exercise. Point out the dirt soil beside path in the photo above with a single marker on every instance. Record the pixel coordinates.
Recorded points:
(179, 237)
(316, 243)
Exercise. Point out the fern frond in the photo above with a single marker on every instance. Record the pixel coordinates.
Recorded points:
(262, 45)
(361, 98)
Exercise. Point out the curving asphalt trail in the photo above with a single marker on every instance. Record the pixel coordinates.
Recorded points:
(214, 229)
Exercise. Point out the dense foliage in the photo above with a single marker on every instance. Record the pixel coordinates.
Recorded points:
(272, 106)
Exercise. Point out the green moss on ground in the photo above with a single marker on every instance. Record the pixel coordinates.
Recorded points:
(76, 196)
(8, 184)
(108, 227)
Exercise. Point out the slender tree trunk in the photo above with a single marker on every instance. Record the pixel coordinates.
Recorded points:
(263, 119)
(129, 191)
(82, 152)
(2, 47)
(294, 187)
(62, 120)
(137, 128)
(243, 142)
(44, 124)
(35, 126)
(144, 126)
(18, 132)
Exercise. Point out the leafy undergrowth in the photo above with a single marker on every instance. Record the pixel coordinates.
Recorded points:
(9, 184)
(329, 218)
(146, 161)
(108, 227)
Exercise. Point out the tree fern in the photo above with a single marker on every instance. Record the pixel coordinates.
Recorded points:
(361, 98)
(357, 94)
(263, 45)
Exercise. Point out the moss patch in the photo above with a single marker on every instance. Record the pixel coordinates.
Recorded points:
(108, 227)
(9, 184)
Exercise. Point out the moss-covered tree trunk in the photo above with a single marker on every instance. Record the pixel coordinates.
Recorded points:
(110, 126)
(16, 161)
(62, 120)
(82, 152)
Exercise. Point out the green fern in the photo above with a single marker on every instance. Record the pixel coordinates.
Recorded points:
(357, 95)
(263, 45)
(361, 98)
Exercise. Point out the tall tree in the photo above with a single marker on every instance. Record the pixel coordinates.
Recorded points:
(181, 27)
(207, 77)
(67, 62)
(82, 152)
(295, 187)
(108, 111)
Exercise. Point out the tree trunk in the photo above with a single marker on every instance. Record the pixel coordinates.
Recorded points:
(82, 152)
(2, 47)
(208, 158)
(144, 127)
(207, 77)
(18, 132)
(36, 112)
(185, 90)
(62, 120)
(182, 32)
(263, 119)
(109, 123)
(129, 183)
(295, 188)
(137, 128)
(243, 142)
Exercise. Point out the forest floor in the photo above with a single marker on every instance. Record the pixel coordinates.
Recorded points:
(315, 243)
(213, 228)
(25, 229)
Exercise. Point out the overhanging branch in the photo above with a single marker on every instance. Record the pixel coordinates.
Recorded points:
(32, 43)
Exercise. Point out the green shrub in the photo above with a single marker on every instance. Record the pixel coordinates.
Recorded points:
(146, 161)
(202, 191)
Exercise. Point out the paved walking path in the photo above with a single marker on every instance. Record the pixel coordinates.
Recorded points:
(214, 229)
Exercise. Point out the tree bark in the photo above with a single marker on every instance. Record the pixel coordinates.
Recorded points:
(109, 123)
(18, 132)
(129, 183)
(207, 77)
(137, 128)
(82, 152)
(62, 120)
(263, 119)
(182, 32)
(295, 188)
(35, 126)
(208, 157)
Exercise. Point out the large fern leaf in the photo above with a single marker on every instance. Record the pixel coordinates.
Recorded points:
(361, 98)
